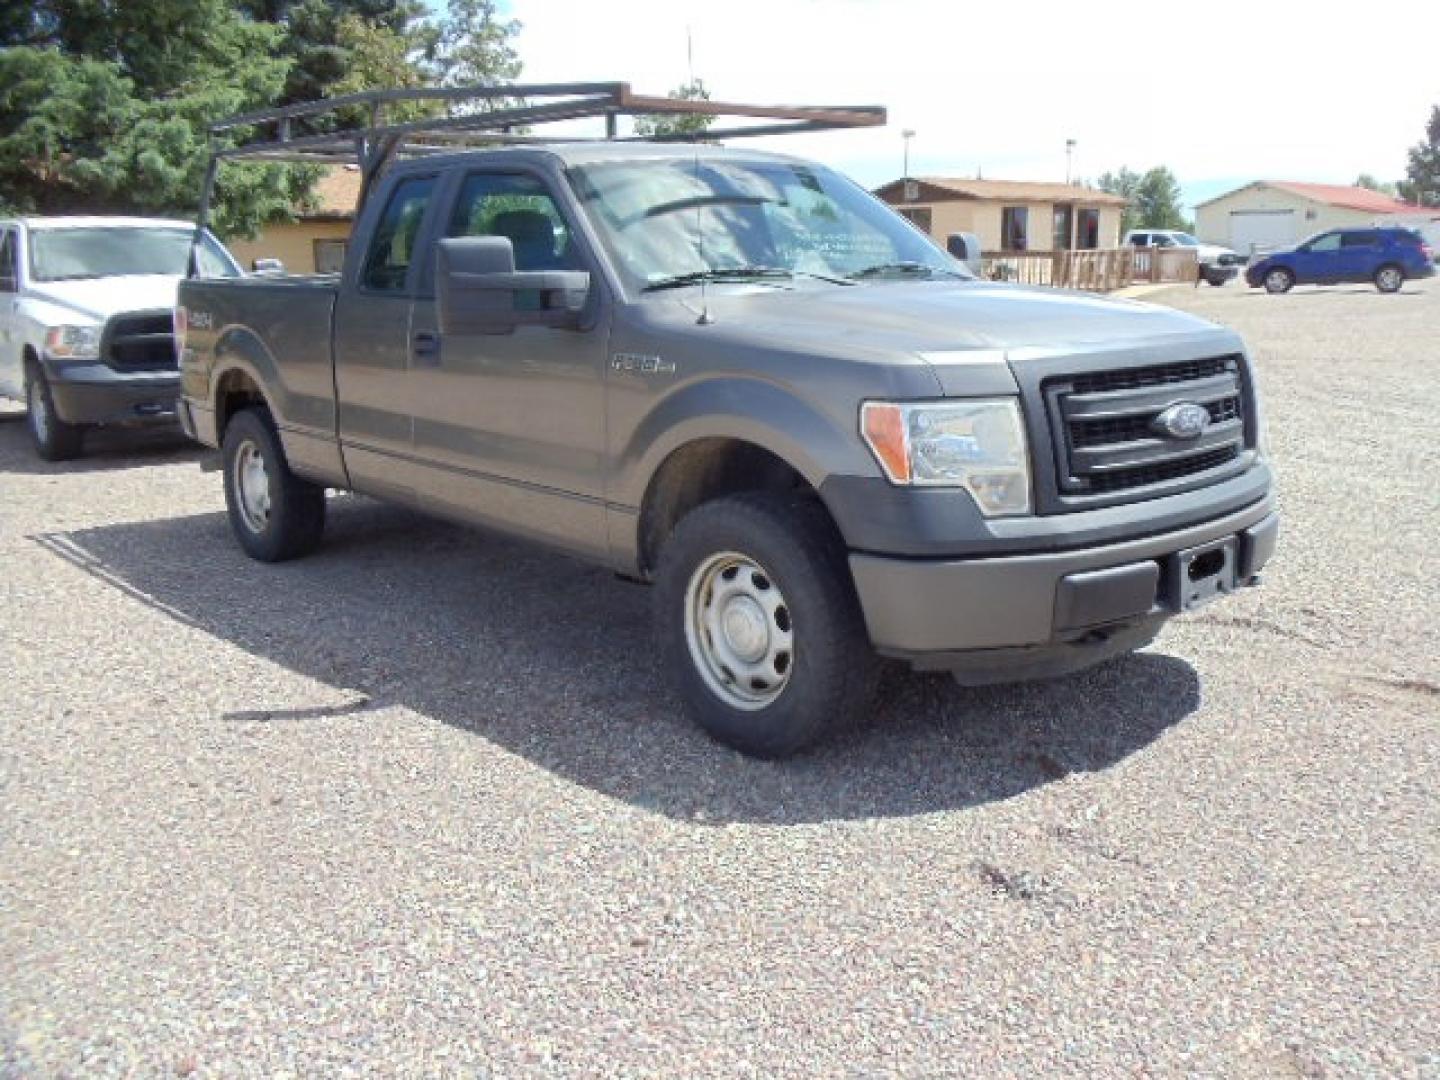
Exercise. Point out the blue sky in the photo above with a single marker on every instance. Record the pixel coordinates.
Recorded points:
(1222, 92)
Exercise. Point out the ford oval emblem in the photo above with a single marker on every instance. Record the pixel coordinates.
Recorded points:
(1183, 420)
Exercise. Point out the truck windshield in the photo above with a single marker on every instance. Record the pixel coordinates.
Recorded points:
(683, 221)
(111, 251)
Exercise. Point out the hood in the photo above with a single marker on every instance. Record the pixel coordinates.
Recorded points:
(889, 320)
(99, 298)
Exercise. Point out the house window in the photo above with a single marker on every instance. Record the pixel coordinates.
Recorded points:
(919, 216)
(1014, 227)
(329, 256)
(1087, 230)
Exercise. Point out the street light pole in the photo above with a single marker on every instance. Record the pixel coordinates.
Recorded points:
(907, 135)
(1069, 149)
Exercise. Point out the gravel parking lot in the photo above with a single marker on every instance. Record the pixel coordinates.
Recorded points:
(422, 804)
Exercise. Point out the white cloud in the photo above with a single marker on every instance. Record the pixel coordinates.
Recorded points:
(1219, 90)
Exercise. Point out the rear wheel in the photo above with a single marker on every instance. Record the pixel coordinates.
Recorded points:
(274, 514)
(1389, 278)
(1279, 280)
(53, 438)
(758, 619)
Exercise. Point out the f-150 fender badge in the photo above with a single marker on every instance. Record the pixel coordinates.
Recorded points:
(641, 364)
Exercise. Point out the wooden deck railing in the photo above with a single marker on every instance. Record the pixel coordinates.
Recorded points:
(1097, 270)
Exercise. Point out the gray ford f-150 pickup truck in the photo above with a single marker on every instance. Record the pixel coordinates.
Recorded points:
(740, 377)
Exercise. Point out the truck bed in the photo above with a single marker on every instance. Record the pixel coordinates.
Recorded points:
(272, 331)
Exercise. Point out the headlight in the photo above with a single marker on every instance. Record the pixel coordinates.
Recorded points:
(77, 342)
(977, 445)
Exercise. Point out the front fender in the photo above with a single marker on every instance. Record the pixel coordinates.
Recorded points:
(813, 442)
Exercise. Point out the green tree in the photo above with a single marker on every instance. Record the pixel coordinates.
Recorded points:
(105, 106)
(1124, 183)
(1157, 200)
(474, 45)
(663, 124)
(1422, 174)
(320, 40)
(1365, 180)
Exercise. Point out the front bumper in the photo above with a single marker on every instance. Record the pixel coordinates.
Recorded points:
(89, 392)
(1038, 608)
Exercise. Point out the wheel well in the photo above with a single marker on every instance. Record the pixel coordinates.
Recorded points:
(236, 391)
(700, 471)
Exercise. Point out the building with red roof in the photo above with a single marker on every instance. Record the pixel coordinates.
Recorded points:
(1271, 214)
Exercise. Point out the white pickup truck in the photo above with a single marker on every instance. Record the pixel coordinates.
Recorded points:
(86, 336)
(1217, 264)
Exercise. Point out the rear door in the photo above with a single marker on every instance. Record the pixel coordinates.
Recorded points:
(1359, 256)
(510, 427)
(372, 339)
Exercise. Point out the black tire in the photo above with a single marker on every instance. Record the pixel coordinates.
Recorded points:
(1279, 280)
(53, 438)
(293, 520)
(1216, 277)
(1389, 278)
(830, 677)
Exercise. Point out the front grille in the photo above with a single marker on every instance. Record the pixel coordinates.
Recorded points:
(1105, 431)
(140, 341)
(1097, 382)
(1144, 475)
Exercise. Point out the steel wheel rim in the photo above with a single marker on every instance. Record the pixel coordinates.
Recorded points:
(1389, 278)
(39, 415)
(252, 486)
(738, 629)
(1278, 279)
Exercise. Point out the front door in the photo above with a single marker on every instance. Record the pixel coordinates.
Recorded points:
(510, 428)
(1064, 231)
(1318, 262)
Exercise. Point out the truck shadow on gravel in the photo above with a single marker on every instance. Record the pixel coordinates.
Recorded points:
(553, 660)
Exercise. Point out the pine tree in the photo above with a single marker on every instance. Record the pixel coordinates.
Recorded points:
(1422, 175)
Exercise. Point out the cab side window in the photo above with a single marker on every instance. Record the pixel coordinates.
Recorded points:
(521, 209)
(8, 262)
(387, 263)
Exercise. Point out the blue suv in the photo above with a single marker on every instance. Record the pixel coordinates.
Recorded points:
(1385, 256)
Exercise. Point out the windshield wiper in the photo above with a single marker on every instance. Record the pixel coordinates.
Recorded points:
(908, 269)
(741, 273)
(728, 273)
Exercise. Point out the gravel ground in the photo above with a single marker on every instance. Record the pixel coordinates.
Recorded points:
(421, 805)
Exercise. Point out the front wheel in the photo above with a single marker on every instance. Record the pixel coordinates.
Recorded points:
(274, 514)
(53, 438)
(757, 616)
(1389, 278)
(1279, 280)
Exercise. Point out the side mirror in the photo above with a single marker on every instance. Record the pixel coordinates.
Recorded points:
(965, 246)
(267, 266)
(480, 291)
